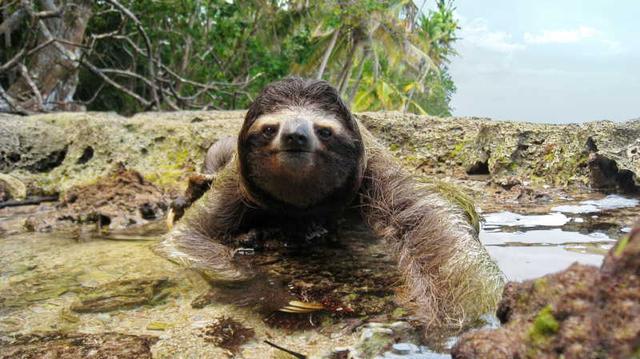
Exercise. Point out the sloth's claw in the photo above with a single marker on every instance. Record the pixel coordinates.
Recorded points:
(298, 307)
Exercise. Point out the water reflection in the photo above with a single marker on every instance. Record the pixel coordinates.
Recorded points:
(607, 203)
(530, 246)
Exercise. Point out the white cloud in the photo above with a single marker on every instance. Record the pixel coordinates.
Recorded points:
(561, 36)
(477, 33)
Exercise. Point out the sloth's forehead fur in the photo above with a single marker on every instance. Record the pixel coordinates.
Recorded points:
(315, 116)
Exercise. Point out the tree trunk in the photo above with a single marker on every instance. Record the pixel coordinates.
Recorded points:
(423, 74)
(366, 53)
(53, 71)
(327, 54)
(346, 69)
(186, 57)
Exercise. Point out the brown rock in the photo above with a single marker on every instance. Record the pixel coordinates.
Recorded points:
(581, 312)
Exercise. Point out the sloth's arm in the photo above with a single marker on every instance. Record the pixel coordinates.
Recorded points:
(198, 240)
(219, 155)
(448, 276)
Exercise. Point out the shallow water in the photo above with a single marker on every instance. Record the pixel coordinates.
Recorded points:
(607, 203)
(43, 275)
(529, 246)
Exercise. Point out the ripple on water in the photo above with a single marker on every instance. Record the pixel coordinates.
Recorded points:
(541, 237)
(510, 219)
(598, 205)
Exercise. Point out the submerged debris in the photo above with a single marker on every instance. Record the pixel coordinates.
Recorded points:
(77, 345)
(227, 333)
(355, 278)
(122, 294)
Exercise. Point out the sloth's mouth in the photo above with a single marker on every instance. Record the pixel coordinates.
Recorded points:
(295, 151)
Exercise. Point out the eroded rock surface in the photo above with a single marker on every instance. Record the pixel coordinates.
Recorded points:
(55, 152)
(541, 154)
(121, 199)
(581, 312)
(34, 146)
(72, 154)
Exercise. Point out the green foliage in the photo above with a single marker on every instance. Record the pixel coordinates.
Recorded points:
(386, 55)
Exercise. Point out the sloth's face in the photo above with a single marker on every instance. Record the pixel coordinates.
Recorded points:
(300, 155)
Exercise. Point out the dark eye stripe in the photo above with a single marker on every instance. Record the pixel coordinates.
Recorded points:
(269, 130)
(325, 132)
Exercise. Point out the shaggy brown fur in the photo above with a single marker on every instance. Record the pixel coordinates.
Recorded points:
(448, 276)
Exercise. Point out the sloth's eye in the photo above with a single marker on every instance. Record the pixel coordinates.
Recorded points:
(269, 130)
(325, 133)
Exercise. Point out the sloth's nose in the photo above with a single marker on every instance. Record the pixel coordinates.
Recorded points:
(296, 138)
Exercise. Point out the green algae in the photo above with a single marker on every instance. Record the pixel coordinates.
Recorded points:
(542, 329)
(545, 323)
(621, 246)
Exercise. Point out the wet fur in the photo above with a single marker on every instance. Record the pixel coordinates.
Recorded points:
(448, 275)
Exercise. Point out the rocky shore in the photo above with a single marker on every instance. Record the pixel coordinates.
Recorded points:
(75, 156)
(102, 176)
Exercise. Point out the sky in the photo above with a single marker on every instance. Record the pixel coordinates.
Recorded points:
(547, 61)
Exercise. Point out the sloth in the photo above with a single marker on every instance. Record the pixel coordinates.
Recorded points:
(300, 161)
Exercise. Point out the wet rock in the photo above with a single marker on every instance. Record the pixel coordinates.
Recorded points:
(120, 200)
(389, 341)
(59, 151)
(508, 182)
(77, 345)
(11, 188)
(529, 297)
(551, 155)
(404, 348)
(578, 313)
(123, 294)
(378, 338)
